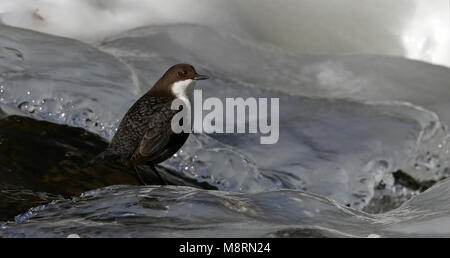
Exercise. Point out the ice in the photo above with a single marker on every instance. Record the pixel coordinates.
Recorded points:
(363, 77)
(347, 122)
(368, 78)
(338, 148)
(341, 135)
(63, 80)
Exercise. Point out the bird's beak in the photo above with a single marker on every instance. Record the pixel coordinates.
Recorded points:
(199, 77)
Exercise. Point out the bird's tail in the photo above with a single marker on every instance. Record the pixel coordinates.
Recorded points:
(103, 157)
(142, 174)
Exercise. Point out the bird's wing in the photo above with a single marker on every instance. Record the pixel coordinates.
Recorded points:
(156, 138)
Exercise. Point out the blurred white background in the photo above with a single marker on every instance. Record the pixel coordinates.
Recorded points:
(417, 29)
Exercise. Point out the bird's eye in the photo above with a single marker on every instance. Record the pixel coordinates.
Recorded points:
(180, 74)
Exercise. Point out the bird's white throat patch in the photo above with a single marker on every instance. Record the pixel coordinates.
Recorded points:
(184, 90)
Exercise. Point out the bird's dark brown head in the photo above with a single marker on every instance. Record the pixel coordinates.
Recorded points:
(176, 80)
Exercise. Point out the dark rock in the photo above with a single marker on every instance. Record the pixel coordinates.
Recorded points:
(42, 161)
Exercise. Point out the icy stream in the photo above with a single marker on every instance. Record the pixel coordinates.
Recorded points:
(347, 123)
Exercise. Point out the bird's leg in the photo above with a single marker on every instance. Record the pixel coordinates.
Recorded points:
(139, 176)
(157, 173)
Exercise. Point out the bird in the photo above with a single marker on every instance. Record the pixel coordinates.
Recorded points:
(145, 135)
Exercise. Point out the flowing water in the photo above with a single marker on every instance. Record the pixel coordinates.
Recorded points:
(361, 136)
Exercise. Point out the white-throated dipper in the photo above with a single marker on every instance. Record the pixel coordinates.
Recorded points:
(145, 136)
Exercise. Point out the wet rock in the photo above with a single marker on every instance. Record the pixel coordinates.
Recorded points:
(42, 161)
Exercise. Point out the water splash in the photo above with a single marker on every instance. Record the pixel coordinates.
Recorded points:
(416, 29)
